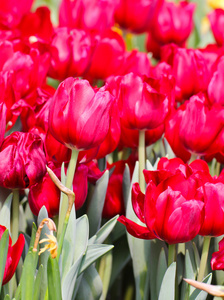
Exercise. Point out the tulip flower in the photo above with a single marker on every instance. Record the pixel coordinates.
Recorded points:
(13, 256)
(70, 53)
(216, 18)
(168, 208)
(215, 89)
(173, 23)
(22, 160)
(79, 115)
(135, 15)
(217, 261)
(189, 69)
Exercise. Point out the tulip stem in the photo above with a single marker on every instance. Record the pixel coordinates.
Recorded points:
(15, 215)
(68, 184)
(204, 257)
(141, 158)
(171, 254)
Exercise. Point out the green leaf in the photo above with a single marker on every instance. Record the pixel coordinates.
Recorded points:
(69, 245)
(7, 297)
(189, 271)
(28, 275)
(139, 249)
(4, 244)
(68, 286)
(91, 285)
(167, 290)
(5, 212)
(54, 280)
(105, 230)
(95, 208)
(201, 295)
(37, 284)
(93, 252)
(81, 239)
(126, 184)
(162, 267)
(29, 269)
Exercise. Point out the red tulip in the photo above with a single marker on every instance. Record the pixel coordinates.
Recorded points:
(79, 116)
(92, 15)
(169, 208)
(189, 69)
(137, 15)
(217, 261)
(70, 53)
(215, 88)
(216, 18)
(174, 23)
(22, 160)
(13, 256)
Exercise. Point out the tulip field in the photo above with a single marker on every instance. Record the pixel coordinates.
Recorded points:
(111, 150)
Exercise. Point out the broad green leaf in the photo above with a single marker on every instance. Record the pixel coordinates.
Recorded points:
(139, 249)
(104, 270)
(81, 238)
(37, 284)
(162, 267)
(201, 295)
(5, 212)
(189, 271)
(4, 244)
(7, 297)
(95, 208)
(68, 285)
(91, 285)
(54, 280)
(105, 230)
(93, 252)
(167, 290)
(69, 244)
(126, 184)
(28, 275)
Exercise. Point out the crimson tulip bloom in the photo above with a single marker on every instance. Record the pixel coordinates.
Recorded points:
(22, 160)
(46, 193)
(144, 103)
(79, 115)
(215, 87)
(70, 53)
(169, 208)
(137, 15)
(189, 68)
(13, 256)
(216, 18)
(174, 23)
(217, 261)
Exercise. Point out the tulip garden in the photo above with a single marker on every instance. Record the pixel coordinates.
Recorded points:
(111, 150)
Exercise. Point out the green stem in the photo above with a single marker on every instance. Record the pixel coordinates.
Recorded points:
(68, 184)
(15, 215)
(204, 258)
(141, 158)
(171, 254)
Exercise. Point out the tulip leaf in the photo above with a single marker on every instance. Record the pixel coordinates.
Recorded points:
(68, 285)
(45, 255)
(95, 208)
(81, 239)
(105, 230)
(4, 244)
(167, 290)
(69, 245)
(139, 250)
(198, 294)
(7, 297)
(162, 267)
(54, 280)
(189, 271)
(5, 212)
(28, 275)
(91, 285)
(126, 184)
(38, 282)
(93, 252)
